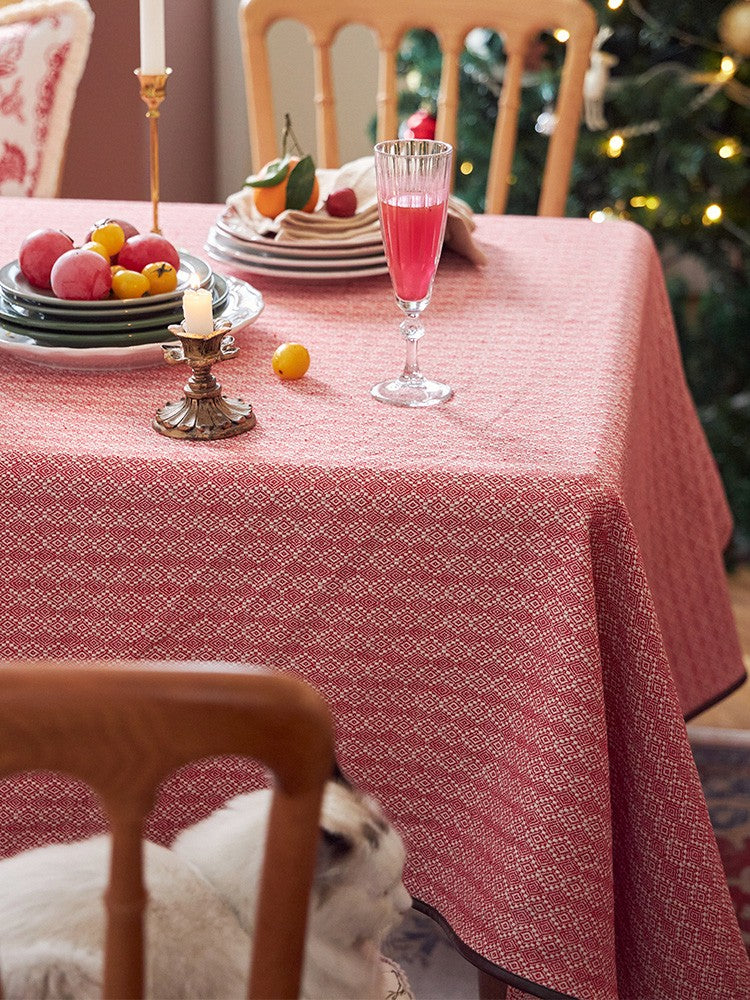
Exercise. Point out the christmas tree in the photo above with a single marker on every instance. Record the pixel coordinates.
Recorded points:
(665, 143)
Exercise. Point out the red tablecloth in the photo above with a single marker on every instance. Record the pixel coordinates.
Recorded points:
(511, 601)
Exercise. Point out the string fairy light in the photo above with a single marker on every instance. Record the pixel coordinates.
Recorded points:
(651, 201)
(728, 148)
(712, 214)
(609, 212)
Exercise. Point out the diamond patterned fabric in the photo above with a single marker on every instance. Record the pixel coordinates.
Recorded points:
(510, 601)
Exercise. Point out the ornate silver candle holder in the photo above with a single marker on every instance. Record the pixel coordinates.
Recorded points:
(203, 414)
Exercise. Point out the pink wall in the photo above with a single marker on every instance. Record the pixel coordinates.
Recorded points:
(108, 148)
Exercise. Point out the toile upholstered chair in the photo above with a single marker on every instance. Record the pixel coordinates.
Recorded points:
(44, 46)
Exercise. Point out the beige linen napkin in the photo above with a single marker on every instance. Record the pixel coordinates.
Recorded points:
(297, 226)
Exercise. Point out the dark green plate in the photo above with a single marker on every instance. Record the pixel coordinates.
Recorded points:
(49, 339)
(105, 333)
(243, 305)
(126, 321)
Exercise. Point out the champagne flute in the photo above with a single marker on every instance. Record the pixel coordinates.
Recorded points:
(413, 179)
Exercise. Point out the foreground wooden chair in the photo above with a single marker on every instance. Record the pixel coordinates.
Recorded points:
(122, 728)
(519, 23)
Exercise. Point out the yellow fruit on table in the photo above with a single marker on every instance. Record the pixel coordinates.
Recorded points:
(290, 361)
(161, 277)
(129, 285)
(271, 201)
(111, 236)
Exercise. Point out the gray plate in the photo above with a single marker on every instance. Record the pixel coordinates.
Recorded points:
(108, 335)
(244, 304)
(17, 289)
(18, 315)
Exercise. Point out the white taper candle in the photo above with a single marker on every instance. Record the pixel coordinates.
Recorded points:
(153, 46)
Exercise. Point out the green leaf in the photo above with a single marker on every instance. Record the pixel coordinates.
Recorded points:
(300, 184)
(272, 174)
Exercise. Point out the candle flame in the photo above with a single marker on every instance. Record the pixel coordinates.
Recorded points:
(194, 282)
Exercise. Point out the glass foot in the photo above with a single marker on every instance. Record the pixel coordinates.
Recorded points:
(408, 392)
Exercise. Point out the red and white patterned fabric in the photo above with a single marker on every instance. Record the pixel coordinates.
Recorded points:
(510, 601)
(44, 45)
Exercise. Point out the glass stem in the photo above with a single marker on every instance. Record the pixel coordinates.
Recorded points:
(413, 331)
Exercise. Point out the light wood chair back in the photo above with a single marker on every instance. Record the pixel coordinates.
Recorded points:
(450, 20)
(124, 727)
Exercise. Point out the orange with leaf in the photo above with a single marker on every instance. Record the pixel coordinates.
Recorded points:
(289, 182)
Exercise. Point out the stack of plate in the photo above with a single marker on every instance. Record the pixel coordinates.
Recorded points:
(110, 333)
(232, 241)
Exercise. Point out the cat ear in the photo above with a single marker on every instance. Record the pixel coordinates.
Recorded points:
(335, 846)
(338, 775)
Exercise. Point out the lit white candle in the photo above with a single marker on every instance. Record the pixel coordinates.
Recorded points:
(153, 52)
(197, 304)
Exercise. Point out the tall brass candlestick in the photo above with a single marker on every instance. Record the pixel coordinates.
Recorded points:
(153, 92)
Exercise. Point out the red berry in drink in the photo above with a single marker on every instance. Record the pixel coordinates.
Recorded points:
(82, 275)
(38, 253)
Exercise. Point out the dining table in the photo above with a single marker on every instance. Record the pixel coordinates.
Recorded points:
(512, 601)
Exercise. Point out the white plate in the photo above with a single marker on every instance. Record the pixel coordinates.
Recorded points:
(232, 225)
(244, 304)
(237, 251)
(283, 272)
(17, 289)
(266, 251)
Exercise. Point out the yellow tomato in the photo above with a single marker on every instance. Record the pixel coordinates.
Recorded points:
(129, 285)
(116, 268)
(111, 237)
(97, 248)
(290, 361)
(161, 277)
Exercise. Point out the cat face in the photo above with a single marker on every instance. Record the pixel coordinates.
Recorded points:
(358, 894)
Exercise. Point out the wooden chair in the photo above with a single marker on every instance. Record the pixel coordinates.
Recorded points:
(123, 727)
(518, 22)
(44, 47)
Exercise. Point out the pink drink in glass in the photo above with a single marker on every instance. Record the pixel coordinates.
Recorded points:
(413, 237)
(413, 179)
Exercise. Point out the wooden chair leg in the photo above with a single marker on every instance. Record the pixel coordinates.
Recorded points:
(491, 988)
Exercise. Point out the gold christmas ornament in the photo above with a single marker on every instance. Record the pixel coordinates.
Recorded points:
(734, 27)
